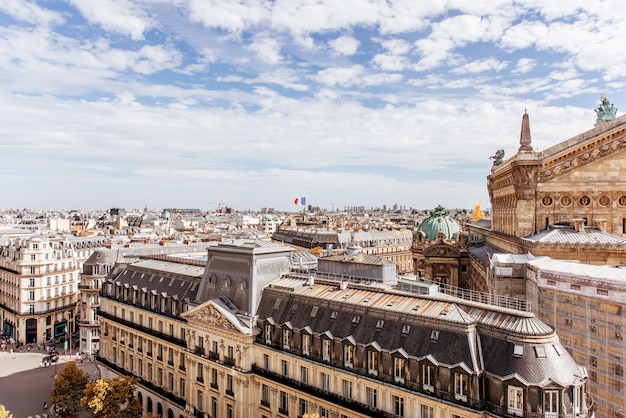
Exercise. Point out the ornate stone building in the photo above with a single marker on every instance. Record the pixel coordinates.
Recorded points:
(248, 337)
(38, 288)
(568, 201)
(439, 252)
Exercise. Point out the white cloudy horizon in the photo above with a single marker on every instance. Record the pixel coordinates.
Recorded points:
(183, 103)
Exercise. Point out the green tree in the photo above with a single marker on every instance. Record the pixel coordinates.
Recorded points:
(112, 398)
(68, 386)
(4, 413)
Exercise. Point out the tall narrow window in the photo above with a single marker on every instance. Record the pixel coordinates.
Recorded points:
(346, 386)
(428, 411)
(326, 350)
(372, 362)
(284, 403)
(304, 375)
(348, 356)
(325, 381)
(372, 397)
(398, 369)
(515, 401)
(286, 339)
(265, 396)
(428, 378)
(398, 406)
(268, 334)
(284, 367)
(460, 387)
(306, 344)
(551, 403)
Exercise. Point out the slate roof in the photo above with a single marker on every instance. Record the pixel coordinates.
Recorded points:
(358, 258)
(479, 336)
(483, 252)
(161, 277)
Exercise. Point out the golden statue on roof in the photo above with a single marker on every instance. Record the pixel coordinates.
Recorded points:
(477, 214)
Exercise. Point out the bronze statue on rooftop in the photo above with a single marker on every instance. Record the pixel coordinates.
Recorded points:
(498, 157)
(606, 111)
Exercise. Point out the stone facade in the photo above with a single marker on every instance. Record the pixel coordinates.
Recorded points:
(579, 182)
(324, 346)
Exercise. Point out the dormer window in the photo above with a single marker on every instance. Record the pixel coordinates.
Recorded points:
(379, 324)
(348, 356)
(286, 339)
(399, 364)
(326, 349)
(406, 329)
(515, 401)
(540, 351)
(356, 319)
(268, 334)
(372, 362)
(428, 378)
(333, 315)
(306, 344)
(434, 335)
(460, 387)
(518, 351)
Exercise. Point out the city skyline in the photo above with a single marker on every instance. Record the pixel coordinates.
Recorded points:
(183, 104)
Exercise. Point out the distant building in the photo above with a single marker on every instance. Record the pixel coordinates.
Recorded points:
(439, 252)
(38, 288)
(391, 244)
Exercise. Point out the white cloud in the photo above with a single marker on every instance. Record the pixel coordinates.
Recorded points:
(396, 46)
(121, 16)
(387, 62)
(479, 66)
(228, 15)
(345, 45)
(524, 65)
(27, 11)
(266, 48)
(347, 76)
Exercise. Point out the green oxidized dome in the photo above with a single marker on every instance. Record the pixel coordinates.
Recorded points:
(439, 221)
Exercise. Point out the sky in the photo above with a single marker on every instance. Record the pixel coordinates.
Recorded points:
(251, 104)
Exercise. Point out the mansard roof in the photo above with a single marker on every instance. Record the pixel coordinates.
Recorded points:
(167, 278)
(441, 329)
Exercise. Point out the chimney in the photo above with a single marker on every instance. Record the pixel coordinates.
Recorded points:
(579, 225)
(329, 249)
(600, 224)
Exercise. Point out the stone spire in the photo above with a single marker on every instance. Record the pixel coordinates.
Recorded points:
(524, 139)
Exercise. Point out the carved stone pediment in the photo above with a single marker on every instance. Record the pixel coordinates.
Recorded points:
(208, 314)
(441, 251)
(600, 147)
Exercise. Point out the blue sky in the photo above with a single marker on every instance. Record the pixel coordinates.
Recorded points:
(183, 103)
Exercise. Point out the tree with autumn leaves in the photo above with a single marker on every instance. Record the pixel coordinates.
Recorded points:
(69, 384)
(4, 413)
(112, 398)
